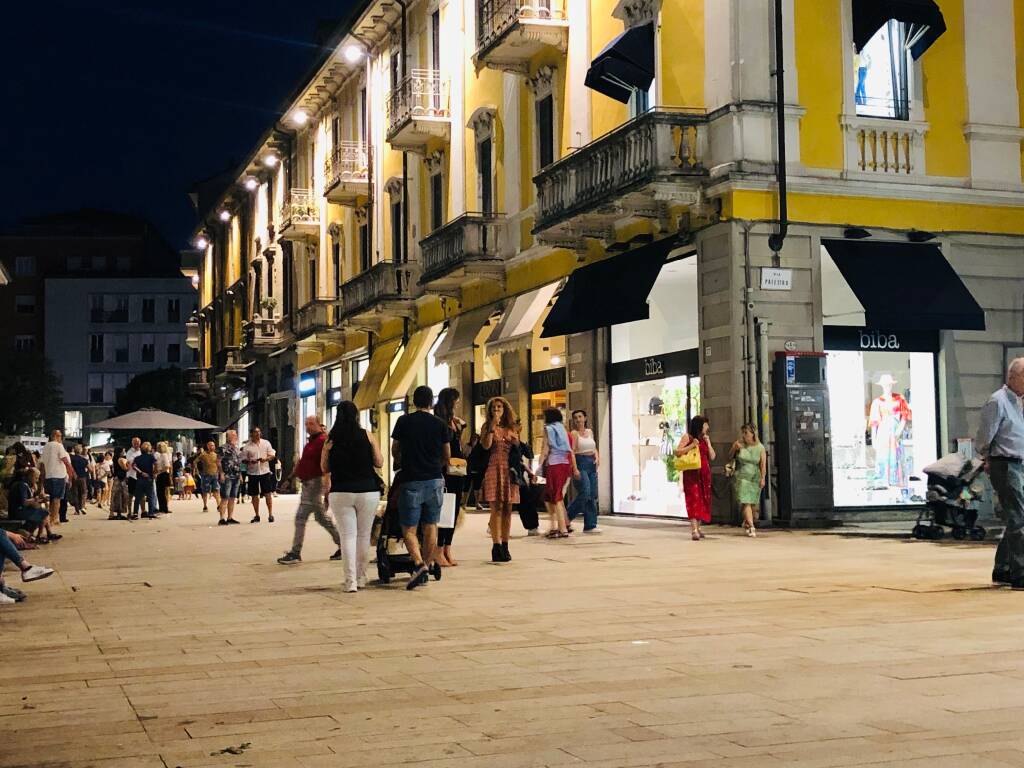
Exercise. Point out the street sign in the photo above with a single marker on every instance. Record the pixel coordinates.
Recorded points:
(774, 279)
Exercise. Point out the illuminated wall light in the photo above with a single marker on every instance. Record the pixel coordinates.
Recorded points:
(270, 161)
(353, 53)
(202, 243)
(224, 216)
(556, 360)
(299, 117)
(251, 184)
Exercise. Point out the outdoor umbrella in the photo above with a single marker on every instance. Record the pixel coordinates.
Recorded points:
(152, 418)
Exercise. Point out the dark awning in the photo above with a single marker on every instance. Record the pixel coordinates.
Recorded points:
(609, 292)
(923, 16)
(906, 286)
(624, 65)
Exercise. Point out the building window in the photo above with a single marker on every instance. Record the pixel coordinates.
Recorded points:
(485, 175)
(396, 230)
(119, 342)
(882, 72)
(362, 114)
(174, 353)
(286, 279)
(118, 312)
(75, 263)
(96, 348)
(149, 310)
(195, 355)
(545, 131)
(364, 247)
(335, 132)
(312, 279)
(96, 308)
(72, 423)
(25, 304)
(25, 266)
(174, 310)
(95, 388)
(436, 201)
(148, 348)
(336, 266)
(25, 342)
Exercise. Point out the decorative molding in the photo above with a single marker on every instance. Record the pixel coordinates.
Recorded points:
(361, 215)
(434, 162)
(988, 132)
(335, 231)
(393, 187)
(481, 122)
(633, 13)
(541, 84)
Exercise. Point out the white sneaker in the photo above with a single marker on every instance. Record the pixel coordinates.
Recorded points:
(361, 581)
(533, 532)
(752, 533)
(35, 573)
(350, 586)
(5, 600)
(595, 529)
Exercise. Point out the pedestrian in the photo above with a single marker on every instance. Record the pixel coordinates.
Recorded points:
(584, 448)
(79, 491)
(697, 482)
(130, 456)
(498, 437)
(230, 477)
(455, 470)
(24, 502)
(349, 459)
(208, 465)
(103, 470)
(145, 482)
(420, 444)
(750, 462)
(257, 454)
(164, 460)
(29, 572)
(57, 471)
(559, 463)
(313, 493)
(1000, 443)
(120, 498)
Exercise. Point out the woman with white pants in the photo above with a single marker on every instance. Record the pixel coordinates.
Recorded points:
(350, 460)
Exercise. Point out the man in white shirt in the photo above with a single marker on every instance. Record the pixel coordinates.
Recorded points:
(256, 454)
(130, 455)
(58, 471)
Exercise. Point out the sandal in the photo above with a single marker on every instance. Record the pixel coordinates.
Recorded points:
(553, 535)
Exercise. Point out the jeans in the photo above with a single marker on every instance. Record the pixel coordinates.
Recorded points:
(586, 493)
(355, 513)
(1008, 481)
(420, 501)
(144, 489)
(229, 488)
(8, 551)
(311, 499)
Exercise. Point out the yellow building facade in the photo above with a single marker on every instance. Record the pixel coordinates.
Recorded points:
(572, 203)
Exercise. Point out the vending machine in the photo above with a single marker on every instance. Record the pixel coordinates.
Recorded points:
(802, 444)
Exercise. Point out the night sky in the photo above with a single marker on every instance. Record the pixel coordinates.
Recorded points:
(123, 105)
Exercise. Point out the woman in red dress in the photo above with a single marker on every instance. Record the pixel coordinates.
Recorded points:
(498, 436)
(697, 482)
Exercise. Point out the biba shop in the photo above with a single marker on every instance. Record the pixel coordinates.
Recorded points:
(882, 338)
(648, 298)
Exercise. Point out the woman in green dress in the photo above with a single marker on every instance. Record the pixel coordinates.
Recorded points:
(751, 463)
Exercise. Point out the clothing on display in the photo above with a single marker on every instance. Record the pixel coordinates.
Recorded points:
(888, 419)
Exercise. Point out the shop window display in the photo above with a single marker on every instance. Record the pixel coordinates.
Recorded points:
(883, 426)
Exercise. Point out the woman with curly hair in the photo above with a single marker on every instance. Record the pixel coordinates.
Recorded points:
(499, 436)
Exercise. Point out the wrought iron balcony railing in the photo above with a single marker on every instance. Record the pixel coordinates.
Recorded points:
(663, 145)
(383, 283)
(496, 17)
(421, 94)
(300, 208)
(346, 163)
(471, 238)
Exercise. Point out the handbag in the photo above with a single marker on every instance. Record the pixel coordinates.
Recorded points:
(448, 505)
(690, 458)
(457, 467)
(516, 472)
(730, 468)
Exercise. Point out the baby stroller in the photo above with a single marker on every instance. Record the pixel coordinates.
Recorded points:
(392, 557)
(952, 491)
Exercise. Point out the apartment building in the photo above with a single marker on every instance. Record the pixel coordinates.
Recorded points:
(581, 204)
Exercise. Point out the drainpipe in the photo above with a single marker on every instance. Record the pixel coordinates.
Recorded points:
(748, 316)
(777, 239)
(405, 153)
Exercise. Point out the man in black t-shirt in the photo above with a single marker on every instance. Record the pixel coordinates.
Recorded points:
(420, 444)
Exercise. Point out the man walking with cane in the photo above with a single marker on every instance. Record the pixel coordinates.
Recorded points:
(1000, 443)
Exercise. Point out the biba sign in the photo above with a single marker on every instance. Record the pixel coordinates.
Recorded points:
(888, 342)
(653, 367)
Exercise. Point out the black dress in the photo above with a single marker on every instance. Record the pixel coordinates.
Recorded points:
(453, 484)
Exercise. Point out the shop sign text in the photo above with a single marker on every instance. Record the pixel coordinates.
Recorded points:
(879, 340)
(775, 279)
(653, 367)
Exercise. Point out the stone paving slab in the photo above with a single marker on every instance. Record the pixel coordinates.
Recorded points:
(180, 643)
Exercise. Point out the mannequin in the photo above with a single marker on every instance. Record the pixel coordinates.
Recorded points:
(889, 415)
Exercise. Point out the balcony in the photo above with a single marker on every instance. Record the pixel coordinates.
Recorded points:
(198, 381)
(884, 150)
(229, 361)
(300, 215)
(471, 247)
(346, 171)
(511, 32)
(192, 334)
(316, 321)
(262, 335)
(417, 111)
(642, 169)
(384, 291)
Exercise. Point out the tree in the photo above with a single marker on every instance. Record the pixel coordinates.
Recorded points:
(30, 391)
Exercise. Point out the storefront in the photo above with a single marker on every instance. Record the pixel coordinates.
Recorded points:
(547, 390)
(307, 396)
(334, 383)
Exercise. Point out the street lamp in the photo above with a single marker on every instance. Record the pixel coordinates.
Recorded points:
(353, 53)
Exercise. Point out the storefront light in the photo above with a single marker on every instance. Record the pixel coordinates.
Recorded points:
(307, 385)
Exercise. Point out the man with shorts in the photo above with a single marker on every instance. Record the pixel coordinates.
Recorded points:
(208, 464)
(57, 471)
(256, 454)
(420, 446)
(230, 477)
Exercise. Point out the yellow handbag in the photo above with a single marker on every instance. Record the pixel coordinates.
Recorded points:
(690, 458)
(456, 467)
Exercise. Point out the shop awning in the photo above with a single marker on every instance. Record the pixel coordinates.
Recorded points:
(457, 346)
(609, 292)
(515, 330)
(923, 17)
(368, 390)
(906, 286)
(625, 65)
(413, 355)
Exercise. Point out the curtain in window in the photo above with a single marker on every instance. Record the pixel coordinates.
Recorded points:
(899, 63)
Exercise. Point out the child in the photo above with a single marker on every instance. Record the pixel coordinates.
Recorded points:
(189, 486)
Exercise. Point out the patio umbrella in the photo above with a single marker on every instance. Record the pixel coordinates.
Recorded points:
(152, 418)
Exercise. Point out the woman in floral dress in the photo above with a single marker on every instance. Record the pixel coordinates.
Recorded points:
(500, 490)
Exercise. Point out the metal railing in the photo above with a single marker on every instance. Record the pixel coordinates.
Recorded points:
(422, 93)
(472, 236)
(385, 280)
(663, 144)
(347, 162)
(495, 17)
(300, 206)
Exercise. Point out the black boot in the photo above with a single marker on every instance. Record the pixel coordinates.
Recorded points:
(497, 554)
(504, 552)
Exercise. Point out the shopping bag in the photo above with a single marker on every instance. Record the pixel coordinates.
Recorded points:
(447, 519)
(690, 459)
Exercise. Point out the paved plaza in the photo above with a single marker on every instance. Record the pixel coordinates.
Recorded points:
(179, 643)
